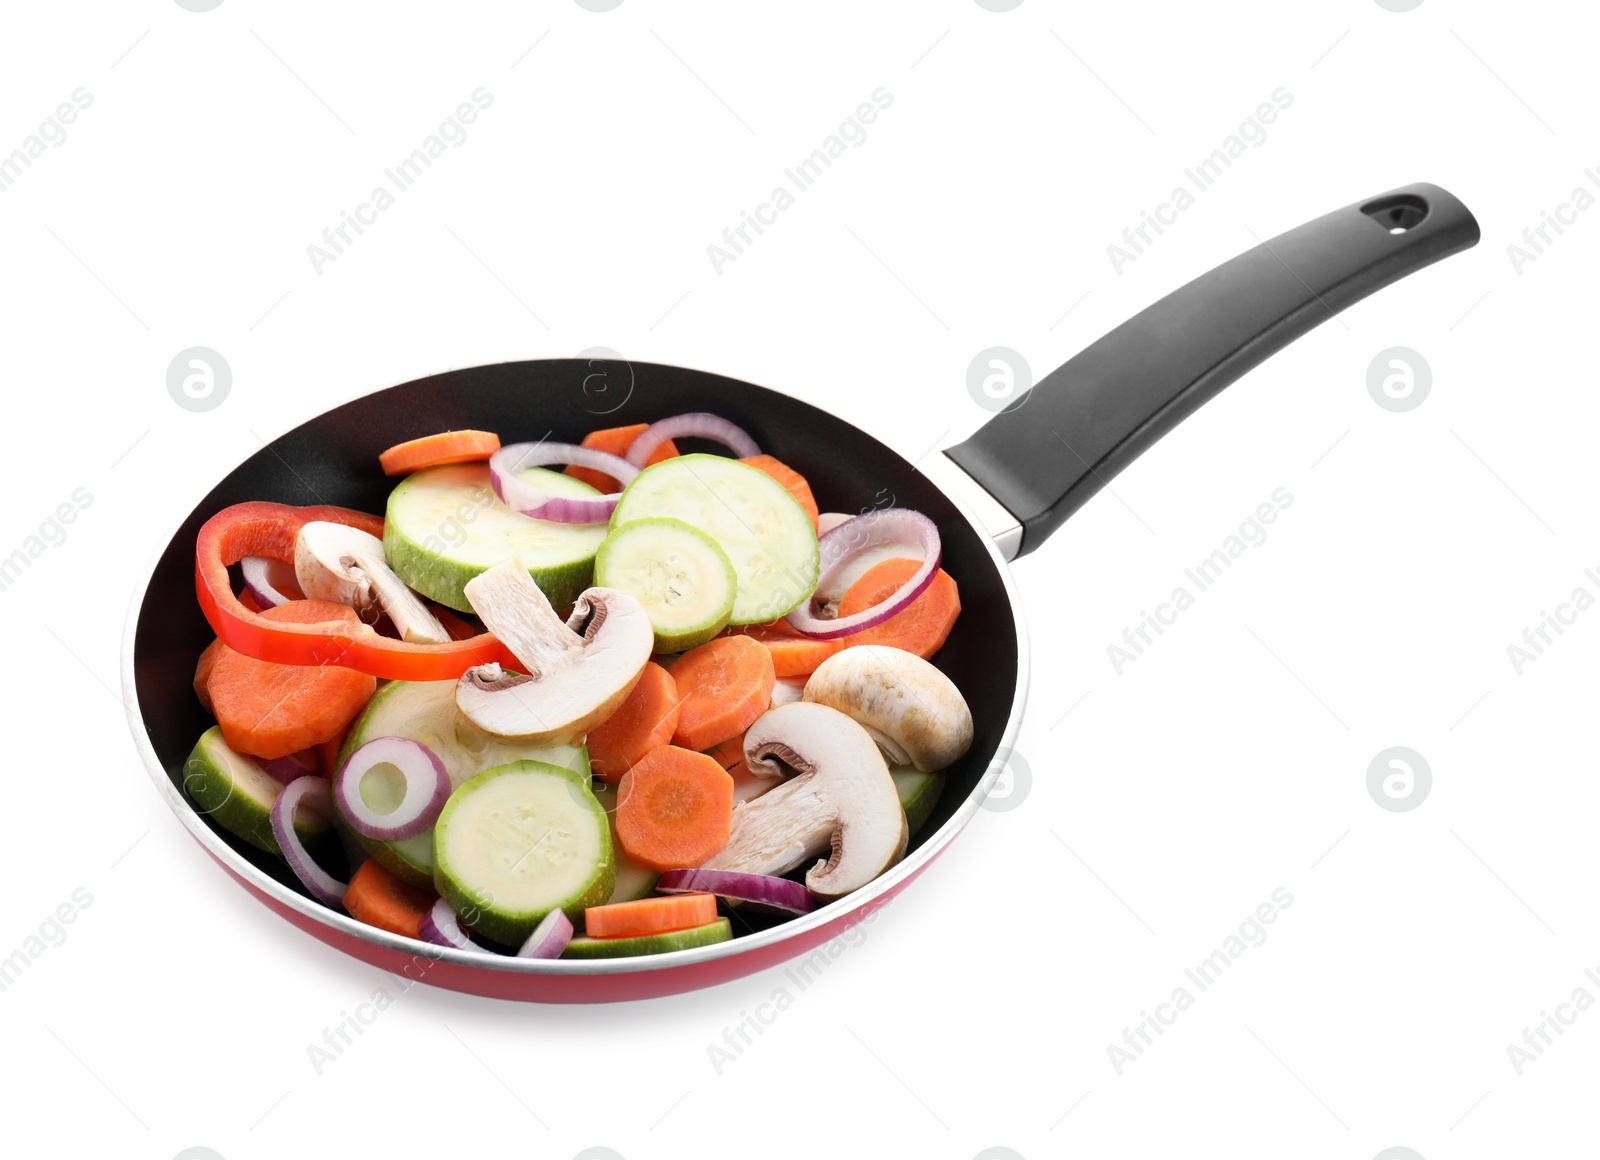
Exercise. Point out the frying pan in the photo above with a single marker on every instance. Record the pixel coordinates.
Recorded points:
(995, 497)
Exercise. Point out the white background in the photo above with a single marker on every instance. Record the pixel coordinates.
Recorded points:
(1228, 761)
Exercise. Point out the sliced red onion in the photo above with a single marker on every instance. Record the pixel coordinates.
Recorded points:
(314, 794)
(291, 768)
(531, 501)
(440, 925)
(869, 558)
(549, 938)
(841, 546)
(695, 425)
(827, 521)
(427, 787)
(759, 889)
(263, 576)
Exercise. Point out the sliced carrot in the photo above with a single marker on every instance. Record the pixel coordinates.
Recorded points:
(729, 754)
(272, 710)
(650, 915)
(793, 482)
(377, 898)
(793, 654)
(645, 721)
(674, 809)
(616, 440)
(202, 672)
(437, 450)
(723, 686)
(328, 752)
(922, 626)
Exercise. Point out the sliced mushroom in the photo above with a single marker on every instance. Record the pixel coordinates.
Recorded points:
(578, 671)
(786, 690)
(839, 800)
(347, 566)
(913, 711)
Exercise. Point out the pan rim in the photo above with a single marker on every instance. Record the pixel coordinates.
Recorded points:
(859, 904)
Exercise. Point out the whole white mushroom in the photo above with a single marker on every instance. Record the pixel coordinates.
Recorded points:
(913, 711)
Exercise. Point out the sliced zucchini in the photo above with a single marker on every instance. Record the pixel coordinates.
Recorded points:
(231, 789)
(518, 841)
(425, 711)
(444, 526)
(764, 532)
(584, 947)
(685, 582)
(919, 793)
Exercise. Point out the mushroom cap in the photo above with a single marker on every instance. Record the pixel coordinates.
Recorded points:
(913, 711)
(839, 799)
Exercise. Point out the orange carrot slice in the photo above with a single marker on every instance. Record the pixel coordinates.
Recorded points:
(202, 671)
(616, 440)
(377, 898)
(645, 721)
(674, 809)
(437, 450)
(272, 710)
(793, 654)
(328, 753)
(729, 754)
(723, 686)
(921, 626)
(791, 480)
(650, 915)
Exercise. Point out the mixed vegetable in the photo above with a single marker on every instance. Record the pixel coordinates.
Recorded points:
(733, 708)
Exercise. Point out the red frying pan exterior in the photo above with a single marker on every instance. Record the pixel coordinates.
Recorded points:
(573, 988)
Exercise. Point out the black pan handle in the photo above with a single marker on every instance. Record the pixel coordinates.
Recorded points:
(1059, 444)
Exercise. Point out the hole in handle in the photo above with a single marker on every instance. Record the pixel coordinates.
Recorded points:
(1399, 213)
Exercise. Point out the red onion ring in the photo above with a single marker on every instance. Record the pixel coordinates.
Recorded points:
(838, 547)
(696, 425)
(870, 557)
(426, 781)
(314, 794)
(549, 938)
(541, 505)
(263, 577)
(827, 521)
(440, 925)
(759, 889)
(290, 768)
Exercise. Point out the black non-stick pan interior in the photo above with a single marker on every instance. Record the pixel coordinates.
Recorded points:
(333, 459)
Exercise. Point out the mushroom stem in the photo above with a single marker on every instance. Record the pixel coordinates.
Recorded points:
(516, 610)
(893, 752)
(780, 830)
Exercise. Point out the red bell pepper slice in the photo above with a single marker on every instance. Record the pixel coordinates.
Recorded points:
(269, 529)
